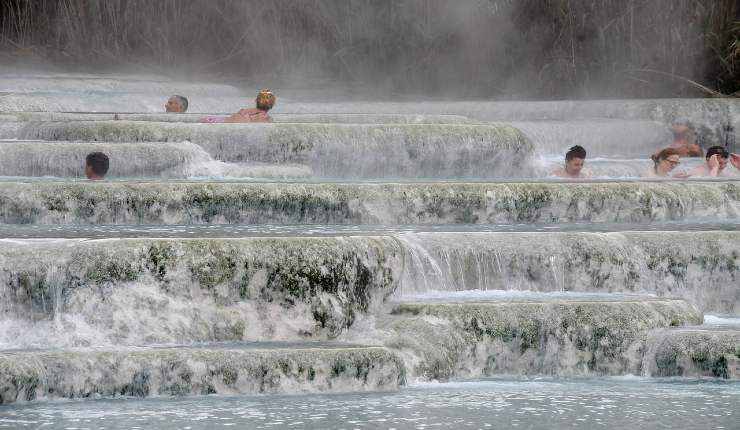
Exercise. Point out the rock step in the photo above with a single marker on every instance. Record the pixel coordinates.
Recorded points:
(701, 266)
(340, 118)
(46, 202)
(145, 160)
(354, 151)
(41, 277)
(144, 291)
(115, 86)
(115, 102)
(556, 337)
(183, 160)
(212, 369)
(712, 112)
(694, 352)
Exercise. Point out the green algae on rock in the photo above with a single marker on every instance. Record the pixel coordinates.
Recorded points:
(249, 370)
(471, 340)
(200, 289)
(368, 203)
(691, 353)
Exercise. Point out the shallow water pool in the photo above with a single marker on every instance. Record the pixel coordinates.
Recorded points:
(495, 404)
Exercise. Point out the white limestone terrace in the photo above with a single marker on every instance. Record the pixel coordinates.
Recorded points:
(86, 93)
(353, 151)
(423, 203)
(139, 160)
(348, 118)
(106, 292)
(244, 370)
(616, 138)
(251, 287)
(698, 266)
(88, 85)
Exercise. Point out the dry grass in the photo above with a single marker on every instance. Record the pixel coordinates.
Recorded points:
(525, 48)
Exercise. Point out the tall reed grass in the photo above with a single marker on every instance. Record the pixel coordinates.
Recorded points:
(519, 48)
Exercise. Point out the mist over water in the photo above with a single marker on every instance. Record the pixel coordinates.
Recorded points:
(415, 48)
(394, 249)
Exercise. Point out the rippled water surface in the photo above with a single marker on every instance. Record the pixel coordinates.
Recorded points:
(257, 230)
(620, 403)
(515, 296)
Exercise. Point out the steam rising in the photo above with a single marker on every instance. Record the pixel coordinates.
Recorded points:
(477, 48)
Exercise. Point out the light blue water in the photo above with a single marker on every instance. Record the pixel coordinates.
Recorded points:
(624, 403)
(31, 231)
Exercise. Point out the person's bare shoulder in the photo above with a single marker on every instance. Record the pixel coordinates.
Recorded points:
(735, 160)
(648, 173)
(560, 173)
(249, 112)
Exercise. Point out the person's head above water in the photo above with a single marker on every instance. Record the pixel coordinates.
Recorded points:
(722, 156)
(683, 133)
(574, 160)
(176, 104)
(265, 100)
(683, 141)
(96, 165)
(665, 161)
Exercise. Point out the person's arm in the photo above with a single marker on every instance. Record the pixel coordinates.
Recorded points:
(559, 173)
(735, 160)
(681, 174)
(713, 164)
(244, 115)
(212, 119)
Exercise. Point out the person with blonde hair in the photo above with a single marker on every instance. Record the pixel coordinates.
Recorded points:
(664, 161)
(264, 102)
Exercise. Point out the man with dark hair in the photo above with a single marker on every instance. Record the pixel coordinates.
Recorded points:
(176, 104)
(575, 158)
(715, 162)
(96, 166)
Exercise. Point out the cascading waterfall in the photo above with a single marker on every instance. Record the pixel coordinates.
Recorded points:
(134, 292)
(701, 267)
(351, 246)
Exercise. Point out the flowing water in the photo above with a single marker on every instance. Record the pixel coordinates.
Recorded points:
(499, 404)
(418, 258)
